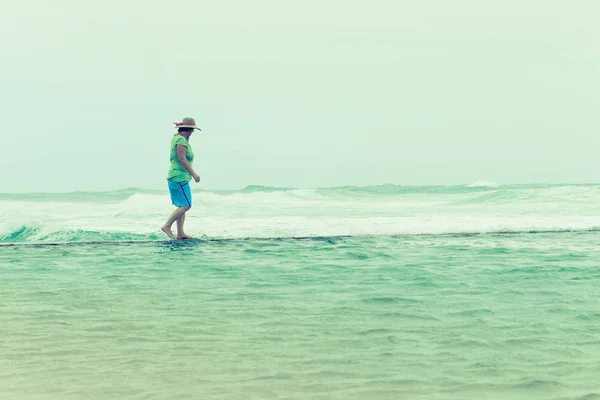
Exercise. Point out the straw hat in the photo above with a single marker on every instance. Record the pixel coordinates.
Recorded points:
(187, 123)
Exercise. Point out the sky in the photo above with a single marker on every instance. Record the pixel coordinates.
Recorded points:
(298, 93)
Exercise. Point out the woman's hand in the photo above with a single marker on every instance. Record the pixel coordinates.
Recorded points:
(196, 177)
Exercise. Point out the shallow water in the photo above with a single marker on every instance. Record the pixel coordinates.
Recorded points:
(466, 316)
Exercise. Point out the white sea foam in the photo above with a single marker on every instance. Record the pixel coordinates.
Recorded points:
(314, 213)
(483, 184)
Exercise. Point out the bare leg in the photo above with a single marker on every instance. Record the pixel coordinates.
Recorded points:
(178, 213)
(180, 233)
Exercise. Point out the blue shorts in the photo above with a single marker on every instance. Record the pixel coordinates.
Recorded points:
(181, 195)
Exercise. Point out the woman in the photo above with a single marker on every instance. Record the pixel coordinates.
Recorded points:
(180, 173)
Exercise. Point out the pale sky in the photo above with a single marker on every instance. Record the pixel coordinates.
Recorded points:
(299, 93)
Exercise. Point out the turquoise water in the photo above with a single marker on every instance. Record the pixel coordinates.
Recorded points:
(505, 307)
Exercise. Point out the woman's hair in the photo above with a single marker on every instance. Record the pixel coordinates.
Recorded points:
(185, 130)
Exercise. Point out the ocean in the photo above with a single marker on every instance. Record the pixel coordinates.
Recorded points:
(481, 291)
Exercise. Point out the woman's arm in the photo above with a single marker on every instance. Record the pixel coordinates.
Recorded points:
(181, 155)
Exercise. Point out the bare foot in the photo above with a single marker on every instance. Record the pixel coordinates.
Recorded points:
(168, 232)
(183, 237)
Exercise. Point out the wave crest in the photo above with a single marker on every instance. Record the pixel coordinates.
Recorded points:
(477, 184)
